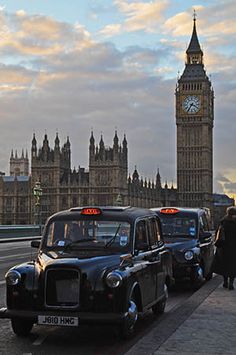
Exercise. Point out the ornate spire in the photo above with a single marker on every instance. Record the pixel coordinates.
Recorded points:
(101, 143)
(34, 146)
(124, 142)
(34, 142)
(92, 141)
(158, 179)
(45, 141)
(116, 140)
(68, 142)
(57, 141)
(135, 174)
(194, 52)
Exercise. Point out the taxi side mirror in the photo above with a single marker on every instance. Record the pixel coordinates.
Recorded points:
(205, 235)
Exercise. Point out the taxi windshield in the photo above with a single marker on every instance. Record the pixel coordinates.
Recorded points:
(88, 234)
(178, 227)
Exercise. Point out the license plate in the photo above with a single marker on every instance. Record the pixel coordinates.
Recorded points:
(58, 320)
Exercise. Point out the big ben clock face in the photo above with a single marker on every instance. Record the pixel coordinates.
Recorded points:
(191, 104)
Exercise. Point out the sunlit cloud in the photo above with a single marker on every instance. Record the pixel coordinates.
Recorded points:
(21, 13)
(39, 35)
(138, 16)
(64, 78)
(111, 30)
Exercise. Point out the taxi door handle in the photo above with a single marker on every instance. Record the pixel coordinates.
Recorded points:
(155, 259)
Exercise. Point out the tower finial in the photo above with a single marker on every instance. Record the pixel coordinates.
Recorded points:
(194, 15)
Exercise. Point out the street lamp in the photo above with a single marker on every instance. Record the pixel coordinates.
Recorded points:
(37, 190)
(119, 200)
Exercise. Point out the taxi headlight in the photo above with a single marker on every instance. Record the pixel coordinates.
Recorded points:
(114, 279)
(188, 255)
(12, 277)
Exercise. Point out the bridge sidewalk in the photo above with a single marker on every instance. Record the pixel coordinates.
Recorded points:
(205, 324)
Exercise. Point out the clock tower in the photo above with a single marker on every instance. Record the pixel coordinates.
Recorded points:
(194, 121)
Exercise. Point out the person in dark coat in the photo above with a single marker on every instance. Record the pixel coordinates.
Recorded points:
(225, 257)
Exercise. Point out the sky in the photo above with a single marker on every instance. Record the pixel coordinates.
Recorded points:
(105, 65)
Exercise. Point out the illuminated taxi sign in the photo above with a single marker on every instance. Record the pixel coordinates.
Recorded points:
(91, 211)
(169, 210)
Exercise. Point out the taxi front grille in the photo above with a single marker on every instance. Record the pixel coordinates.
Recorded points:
(62, 287)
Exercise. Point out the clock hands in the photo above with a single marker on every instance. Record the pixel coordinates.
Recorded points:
(192, 105)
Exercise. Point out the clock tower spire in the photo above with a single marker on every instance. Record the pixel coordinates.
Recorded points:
(194, 121)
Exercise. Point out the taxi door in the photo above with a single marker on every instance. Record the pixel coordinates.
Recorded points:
(144, 255)
(206, 244)
(158, 256)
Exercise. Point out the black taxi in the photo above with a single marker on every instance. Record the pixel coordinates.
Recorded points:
(186, 232)
(94, 265)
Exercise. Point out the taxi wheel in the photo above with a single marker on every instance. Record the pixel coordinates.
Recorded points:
(21, 327)
(159, 307)
(128, 327)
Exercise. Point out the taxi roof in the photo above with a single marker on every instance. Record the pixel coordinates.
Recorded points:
(118, 212)
(191, 210)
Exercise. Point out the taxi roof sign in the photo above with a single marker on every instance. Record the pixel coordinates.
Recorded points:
(91, 211)
(169, 210)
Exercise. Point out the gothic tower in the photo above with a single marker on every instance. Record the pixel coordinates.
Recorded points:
(108, 171)
(194, 120)
(19, 165)
(49, 166)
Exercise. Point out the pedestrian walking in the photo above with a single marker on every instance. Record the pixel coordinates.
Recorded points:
(225, 257)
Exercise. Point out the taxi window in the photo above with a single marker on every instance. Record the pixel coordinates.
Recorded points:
(154, 232)
(89, 232)
(203, 223)
(178, 227)
(141, 237)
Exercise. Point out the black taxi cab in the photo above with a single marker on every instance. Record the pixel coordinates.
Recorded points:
(186, 232)
(93, 265)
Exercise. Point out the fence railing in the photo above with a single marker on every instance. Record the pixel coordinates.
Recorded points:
(19, 232)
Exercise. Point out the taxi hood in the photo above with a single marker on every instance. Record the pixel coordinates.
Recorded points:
(90, 267)
(180, 243)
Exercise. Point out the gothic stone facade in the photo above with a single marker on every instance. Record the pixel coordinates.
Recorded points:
(105, 183)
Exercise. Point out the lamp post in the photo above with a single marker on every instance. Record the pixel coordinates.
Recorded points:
(37, 190)
(119, 200)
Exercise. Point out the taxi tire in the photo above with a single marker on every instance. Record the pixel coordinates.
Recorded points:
(159, 307)
(128, 327)
(21, 327)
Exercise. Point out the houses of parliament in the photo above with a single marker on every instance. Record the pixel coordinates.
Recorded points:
(106, 182)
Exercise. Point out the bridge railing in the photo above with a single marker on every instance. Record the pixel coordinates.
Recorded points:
(10, 233)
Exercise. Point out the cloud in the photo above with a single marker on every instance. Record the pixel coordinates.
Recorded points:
(56, 77)
(39, 35)
(111, 30)
(95, 86)
(138, 16)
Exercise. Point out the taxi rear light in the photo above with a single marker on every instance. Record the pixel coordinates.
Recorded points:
(169, 210)
(91, 211)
